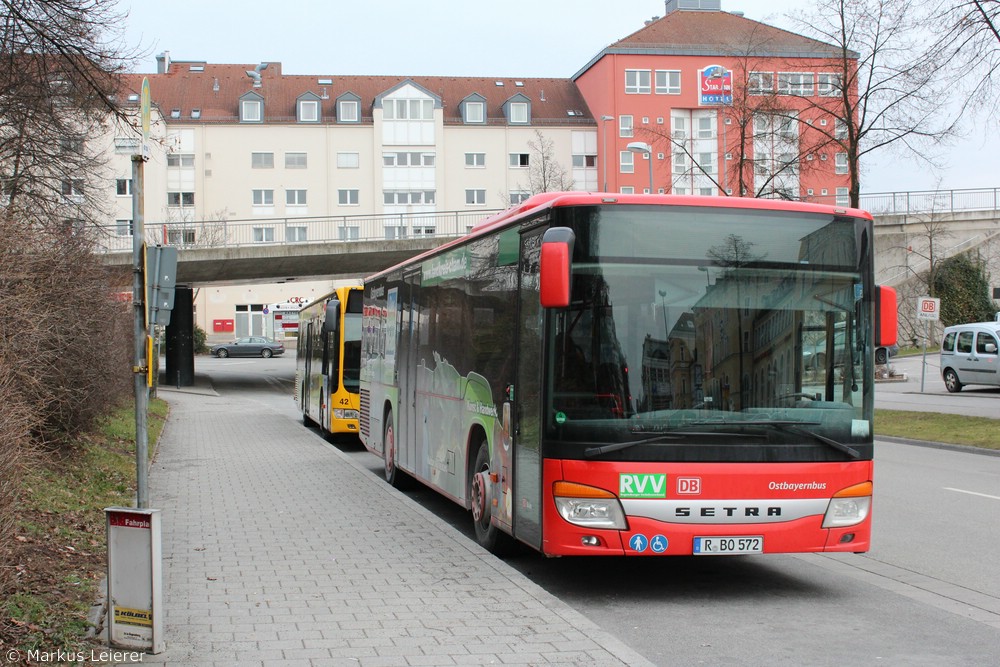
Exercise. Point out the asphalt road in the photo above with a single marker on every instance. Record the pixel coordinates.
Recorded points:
(923, 391)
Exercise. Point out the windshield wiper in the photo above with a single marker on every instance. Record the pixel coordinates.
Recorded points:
(794, 426)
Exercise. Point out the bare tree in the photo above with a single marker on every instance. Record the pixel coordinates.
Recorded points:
(892, 86)
(545, 172)
(970, 34)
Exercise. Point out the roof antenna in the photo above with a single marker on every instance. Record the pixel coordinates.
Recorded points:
(255, 74)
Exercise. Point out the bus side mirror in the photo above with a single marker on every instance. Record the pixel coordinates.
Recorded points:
(332, 316)
(886, 323)
(555, 267)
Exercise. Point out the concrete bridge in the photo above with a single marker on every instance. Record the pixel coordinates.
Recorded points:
(911, 230)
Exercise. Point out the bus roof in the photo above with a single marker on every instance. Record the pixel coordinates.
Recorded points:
(548, 200)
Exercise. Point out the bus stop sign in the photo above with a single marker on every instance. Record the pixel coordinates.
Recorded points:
(928, 308)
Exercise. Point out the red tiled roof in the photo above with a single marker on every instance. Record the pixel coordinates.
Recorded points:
(184, 89)
(721, 33)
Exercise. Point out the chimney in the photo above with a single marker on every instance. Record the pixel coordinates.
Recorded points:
(163, 63)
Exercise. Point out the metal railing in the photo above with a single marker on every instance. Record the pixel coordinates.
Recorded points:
(292, 230)
(324, 229)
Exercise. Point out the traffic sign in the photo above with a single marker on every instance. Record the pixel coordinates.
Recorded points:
(928, 308)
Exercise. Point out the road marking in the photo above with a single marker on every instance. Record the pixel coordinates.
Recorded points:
(972, 493)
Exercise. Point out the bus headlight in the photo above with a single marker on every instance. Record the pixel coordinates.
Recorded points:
(849, 506)
(345, 414)
(588, 506)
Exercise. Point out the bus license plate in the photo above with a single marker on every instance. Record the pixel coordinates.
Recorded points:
(724, 546)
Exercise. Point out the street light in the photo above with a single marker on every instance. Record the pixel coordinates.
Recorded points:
(642, 147)
(604, 154)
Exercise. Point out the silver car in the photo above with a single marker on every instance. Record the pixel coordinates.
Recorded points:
(969, 355)
(251, 346)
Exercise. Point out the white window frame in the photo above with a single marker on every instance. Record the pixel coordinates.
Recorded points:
(263, 234)
(262, 160)
(828, 84)
(296, 233)
(760, 83)
(348, 197)
(296, 160)
(475, 160)
(519, 113)
(626, 162)
(475, 197)
(123, 191)
(799, 84)
(519, 160)
(251, 111)
(626, 127)
(671, 82)
(308, 111)
(262, 197)
(183, 199)
(475, 112)
(638, 82)
(840, 164)
(296, 197)
(349, 111)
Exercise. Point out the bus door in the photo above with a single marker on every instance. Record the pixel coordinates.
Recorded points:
(527, 395)
(305, 357)
(409, 356)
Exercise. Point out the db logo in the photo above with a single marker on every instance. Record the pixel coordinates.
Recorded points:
(928, 306)
(689, 486)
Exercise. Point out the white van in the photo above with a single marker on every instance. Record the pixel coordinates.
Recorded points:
(969, 355)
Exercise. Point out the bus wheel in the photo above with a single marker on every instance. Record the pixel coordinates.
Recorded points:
(489, 536)
(393, 475)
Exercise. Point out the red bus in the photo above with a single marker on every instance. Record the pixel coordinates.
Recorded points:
(602, 374)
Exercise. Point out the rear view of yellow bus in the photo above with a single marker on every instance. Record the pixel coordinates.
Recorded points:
(328, 360)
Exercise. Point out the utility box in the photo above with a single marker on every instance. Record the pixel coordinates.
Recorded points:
(135, 579)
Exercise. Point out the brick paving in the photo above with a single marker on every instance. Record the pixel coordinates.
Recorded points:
(279, 549)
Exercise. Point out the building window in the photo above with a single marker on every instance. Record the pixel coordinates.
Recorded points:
(72, 189)
(308, 111)
(123, 187)
(475, 159)
(295, 234)
(347, 197)
(408, 159)
(668, 82)
(349, 233)
(519, 160)
(184, 199)
(475, 197)
(348, 160)
(828, 85)
(123, 227)
(839, 129)
(637, 81)
(582, 161)
(296, 160)
(760, 83)
(262, 160)
(518, 197)
(841, 164)
(348, 111)
(263, 234)
(624, 126)
(795, 83)
(627, 190)
(406, 197)
(180, 237)
(263, 197)
(519, 113)
(475, 112)
(180, 160)
(626, 161)
(251, 111)
(843, 197)
(408, 109)
(295, 197)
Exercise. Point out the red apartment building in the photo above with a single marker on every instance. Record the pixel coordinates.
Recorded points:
(703, 101)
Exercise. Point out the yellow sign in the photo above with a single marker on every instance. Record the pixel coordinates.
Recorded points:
(143, 617)
(152, 364)
(144, 108)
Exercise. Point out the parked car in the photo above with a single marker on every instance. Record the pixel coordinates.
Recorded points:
(251, 346)
(969, 355)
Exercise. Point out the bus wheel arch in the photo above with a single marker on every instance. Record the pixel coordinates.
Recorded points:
(489, 536)
(392, 473)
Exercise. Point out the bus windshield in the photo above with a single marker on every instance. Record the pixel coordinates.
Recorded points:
(689, 336)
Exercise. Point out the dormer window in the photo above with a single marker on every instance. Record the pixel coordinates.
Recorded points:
(307, 110)
(175, 113)
(518, 110)
(251, 108)
(473, 109)
(349, 108)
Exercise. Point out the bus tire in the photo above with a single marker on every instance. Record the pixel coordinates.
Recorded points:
(396, 477)
(489, 536)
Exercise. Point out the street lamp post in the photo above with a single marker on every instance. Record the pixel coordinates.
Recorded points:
(604, 151)
(642, 147)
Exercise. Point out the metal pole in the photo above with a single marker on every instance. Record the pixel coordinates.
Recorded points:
(923, 363)
(650, 156)
(139, 360)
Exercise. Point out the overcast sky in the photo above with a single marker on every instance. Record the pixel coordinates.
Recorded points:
(527, 38)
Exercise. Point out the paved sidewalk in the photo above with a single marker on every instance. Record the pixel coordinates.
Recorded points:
(278, 549)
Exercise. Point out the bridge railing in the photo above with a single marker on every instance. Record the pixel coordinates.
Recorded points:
(324, 229)
(293, 230)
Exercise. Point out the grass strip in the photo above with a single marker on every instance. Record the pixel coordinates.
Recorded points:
(939, 427)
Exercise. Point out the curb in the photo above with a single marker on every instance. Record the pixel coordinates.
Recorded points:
(939, 445)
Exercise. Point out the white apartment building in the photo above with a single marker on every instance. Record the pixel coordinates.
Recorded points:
(280, 156)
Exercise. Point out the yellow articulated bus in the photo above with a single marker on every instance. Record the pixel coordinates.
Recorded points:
(328, 359)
